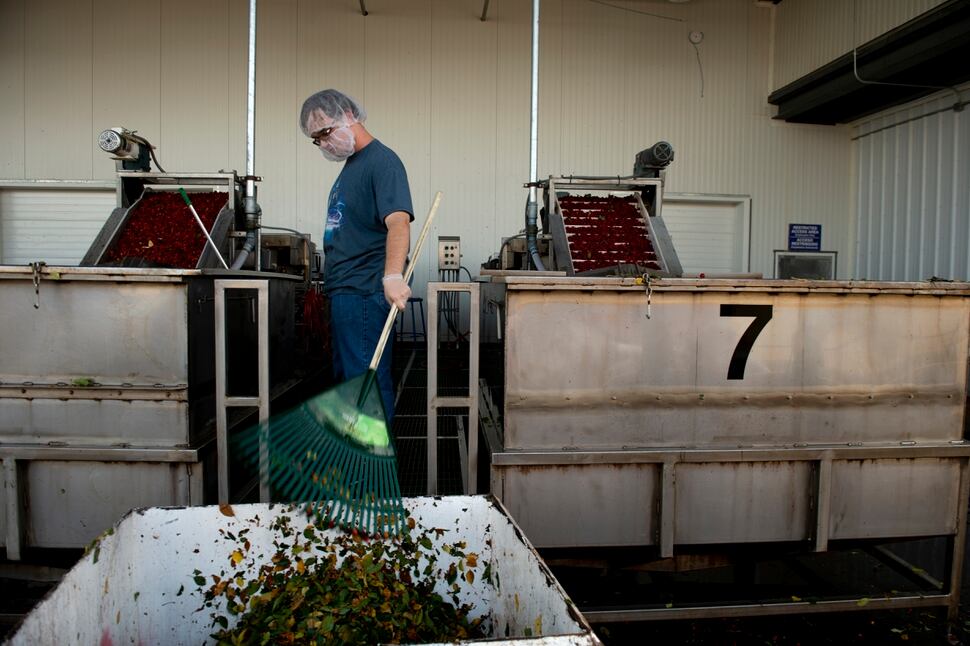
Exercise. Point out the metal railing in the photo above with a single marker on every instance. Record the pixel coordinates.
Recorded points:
(223, 401)
(469, 469)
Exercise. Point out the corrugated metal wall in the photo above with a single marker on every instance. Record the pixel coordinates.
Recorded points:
(813, 32)
(450, 93)
(31, 214)
(914, 192)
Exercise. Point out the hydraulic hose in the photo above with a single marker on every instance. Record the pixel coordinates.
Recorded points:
(532, 230)
(248, 246)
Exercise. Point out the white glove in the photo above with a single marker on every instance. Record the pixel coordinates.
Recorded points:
(396, 291)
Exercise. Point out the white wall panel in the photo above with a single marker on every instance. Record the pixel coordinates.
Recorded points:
(398, 88)
(463, 82)
(512, 106)
(58, 90)
(201, 100)
(12, 56)
(330, 53)
(126, 74)
(811, 33)
(450, 94)
(913, 202)
(627, 80)
(276, 115)
(56, 226)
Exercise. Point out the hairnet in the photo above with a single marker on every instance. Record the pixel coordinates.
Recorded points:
(331, 107)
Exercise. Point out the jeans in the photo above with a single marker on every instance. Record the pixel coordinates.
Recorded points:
(356, 323)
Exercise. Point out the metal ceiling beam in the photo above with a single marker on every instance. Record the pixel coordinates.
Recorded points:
(894, 68)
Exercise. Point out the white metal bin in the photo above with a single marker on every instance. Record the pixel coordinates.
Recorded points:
(126, 590)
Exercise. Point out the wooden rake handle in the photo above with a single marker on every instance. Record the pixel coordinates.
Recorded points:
(389, 324)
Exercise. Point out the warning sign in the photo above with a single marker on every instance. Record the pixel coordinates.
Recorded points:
(804, 237)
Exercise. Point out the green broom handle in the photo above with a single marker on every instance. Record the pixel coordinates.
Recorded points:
(389, 324)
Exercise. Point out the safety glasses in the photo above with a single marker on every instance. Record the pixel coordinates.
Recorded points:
(321, 135)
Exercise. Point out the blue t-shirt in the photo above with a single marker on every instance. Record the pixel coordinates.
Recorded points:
(372, 185)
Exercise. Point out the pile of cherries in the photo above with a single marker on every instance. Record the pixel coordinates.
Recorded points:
(606, 232)
(161, 231)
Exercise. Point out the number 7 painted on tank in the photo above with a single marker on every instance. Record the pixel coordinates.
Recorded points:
(761, 314)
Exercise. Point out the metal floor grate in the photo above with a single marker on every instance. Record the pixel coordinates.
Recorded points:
(410, 426)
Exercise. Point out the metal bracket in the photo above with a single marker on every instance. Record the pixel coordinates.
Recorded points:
(436, 401)
(36, 267)
(645, 281)
(223, 402)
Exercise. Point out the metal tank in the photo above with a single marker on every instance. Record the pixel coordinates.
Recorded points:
(671, 412)
(107, 391)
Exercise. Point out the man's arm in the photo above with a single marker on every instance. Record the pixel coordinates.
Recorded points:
(396, 290)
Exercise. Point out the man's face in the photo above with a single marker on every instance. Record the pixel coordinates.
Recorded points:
(334, 138)
(320, 127)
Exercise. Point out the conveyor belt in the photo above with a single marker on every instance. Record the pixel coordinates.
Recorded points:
(606, 232)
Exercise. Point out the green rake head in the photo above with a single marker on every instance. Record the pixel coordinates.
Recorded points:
(333, 453)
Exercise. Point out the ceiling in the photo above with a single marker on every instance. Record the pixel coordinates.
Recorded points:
(930, 50)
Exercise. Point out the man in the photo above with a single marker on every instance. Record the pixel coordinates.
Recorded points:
(366, 238)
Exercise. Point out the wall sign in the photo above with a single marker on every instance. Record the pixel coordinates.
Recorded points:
(804, 237)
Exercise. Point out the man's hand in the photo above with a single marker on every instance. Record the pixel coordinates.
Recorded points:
(396, 291)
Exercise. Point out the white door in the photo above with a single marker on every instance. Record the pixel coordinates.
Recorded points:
(56, 225)
(710, 233)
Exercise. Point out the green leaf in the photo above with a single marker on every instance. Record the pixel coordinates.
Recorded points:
(199, 580)
(862, 602)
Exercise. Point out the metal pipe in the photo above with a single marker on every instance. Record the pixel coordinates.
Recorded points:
(247, 248)
(532, 207)
(534, 107)
(250, 206)
(485, 11)
(251, 96)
